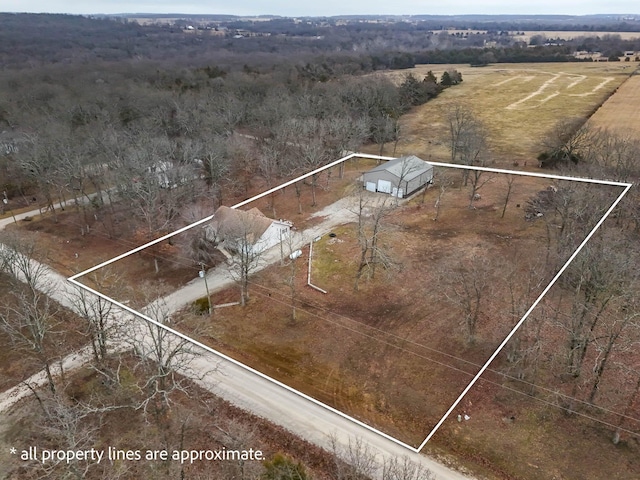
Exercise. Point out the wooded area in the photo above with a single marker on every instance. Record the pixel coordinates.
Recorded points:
(126, 132)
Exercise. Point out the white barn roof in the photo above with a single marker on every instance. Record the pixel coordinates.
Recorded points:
(405, 168)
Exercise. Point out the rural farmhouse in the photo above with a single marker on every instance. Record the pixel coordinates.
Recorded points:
(399, 177)
(235, 229)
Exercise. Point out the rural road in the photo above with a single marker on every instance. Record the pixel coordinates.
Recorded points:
(244, 388)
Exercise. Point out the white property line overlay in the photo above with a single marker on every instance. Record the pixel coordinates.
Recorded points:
(309, 270)
(73, 279)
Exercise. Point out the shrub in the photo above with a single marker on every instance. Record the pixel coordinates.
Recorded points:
(281, 467)
(201, 305)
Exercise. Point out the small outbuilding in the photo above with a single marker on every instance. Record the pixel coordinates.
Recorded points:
(399, 177)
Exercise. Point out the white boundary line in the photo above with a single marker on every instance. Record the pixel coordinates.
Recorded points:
(73, 279)
(309, 270)
(524, 317)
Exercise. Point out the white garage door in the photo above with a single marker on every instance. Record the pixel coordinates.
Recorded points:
(384, 186)
(371, 186)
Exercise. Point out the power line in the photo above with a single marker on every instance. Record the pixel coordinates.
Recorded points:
(186, 262)
(452, 367)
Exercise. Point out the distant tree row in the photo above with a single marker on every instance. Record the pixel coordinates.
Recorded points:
(355, 47)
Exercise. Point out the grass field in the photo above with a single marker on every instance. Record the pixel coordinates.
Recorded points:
(621, 112)
(518, 103)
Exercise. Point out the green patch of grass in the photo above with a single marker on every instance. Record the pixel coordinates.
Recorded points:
(328, 257)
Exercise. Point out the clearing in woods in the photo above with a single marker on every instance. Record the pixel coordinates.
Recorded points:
(401, 360)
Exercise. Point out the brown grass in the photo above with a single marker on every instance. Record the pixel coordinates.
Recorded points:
(201, 413)
(502, 96)
(620, 113)
(62, 246)
(372, 371)
(390, 353)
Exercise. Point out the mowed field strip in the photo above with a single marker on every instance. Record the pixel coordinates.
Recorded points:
(620, 114)
(518, 103)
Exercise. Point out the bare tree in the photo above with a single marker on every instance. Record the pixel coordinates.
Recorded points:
(523, 278)
(39, 162)
(68, 425)
(611, 338)
(270, 169)
(241, 234)
(467, 286)
(443, 180)
(29, 320)
(510, 179)
(198, 243)
(355, 461)
(314, 155)
(404, 469)
(371, 213)
(598, 278)
(290, 278)
(462, 124)
(384, 129)
(235, 436)
(104, 324)
(567, 141)
(166, 359)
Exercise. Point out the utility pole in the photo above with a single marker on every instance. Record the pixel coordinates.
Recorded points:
(203, 274)
(5, 200)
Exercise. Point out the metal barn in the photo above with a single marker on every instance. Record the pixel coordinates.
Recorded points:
(399, 177)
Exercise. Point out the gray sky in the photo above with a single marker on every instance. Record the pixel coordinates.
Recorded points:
(324, 7)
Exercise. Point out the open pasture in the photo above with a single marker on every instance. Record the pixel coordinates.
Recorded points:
(620, 113)
(518, 103)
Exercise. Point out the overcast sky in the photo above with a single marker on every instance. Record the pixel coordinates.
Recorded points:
(324, 7)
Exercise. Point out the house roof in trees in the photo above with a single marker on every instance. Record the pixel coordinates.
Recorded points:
(230, 223)
(405, 168)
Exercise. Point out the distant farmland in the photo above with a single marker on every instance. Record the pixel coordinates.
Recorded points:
(519, 103)
(620, 113)
(570, 35)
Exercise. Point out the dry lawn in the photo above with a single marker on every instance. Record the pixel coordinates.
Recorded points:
(62, 246)
(518, 103)
(200, 416)
(390, 353)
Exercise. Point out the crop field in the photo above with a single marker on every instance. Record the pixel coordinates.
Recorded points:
(620, 113)
(518, 103)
